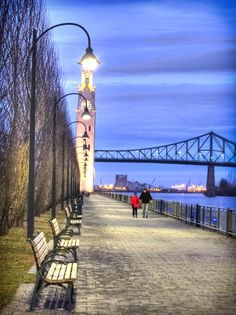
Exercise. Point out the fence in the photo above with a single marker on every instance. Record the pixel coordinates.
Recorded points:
(214, 218)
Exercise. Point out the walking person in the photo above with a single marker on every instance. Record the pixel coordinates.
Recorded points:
(145, 198)
(134, 201)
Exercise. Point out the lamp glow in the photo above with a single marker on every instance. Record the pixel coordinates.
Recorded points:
(89, 61)
(86, 114)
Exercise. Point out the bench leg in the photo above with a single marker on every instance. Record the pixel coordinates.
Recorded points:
(37, 288)
(70, 292)
(75, 254)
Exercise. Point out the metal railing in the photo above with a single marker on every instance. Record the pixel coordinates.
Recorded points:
(214, 218)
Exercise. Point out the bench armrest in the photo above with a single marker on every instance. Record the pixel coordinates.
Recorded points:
(61, 252)
(66, 232)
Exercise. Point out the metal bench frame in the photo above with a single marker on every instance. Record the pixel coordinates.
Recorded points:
(72, 221)
(76, 211)
(53, 264)
(64, 238)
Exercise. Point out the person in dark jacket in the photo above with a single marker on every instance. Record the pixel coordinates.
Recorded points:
(145, 198)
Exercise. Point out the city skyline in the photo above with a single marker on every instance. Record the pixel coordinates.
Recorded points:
(167, 74)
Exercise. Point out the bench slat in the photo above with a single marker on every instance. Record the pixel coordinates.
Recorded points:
(51, 272)
(55, 226)
(56, 272)
(74, 271)
(40, 247)
(75, 221)
(70, 243)
(62, 273)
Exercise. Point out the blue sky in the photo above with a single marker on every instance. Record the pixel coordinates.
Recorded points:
(167, 74)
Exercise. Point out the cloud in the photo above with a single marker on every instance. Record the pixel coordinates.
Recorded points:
(167, 73)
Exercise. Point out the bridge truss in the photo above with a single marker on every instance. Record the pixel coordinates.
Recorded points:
(208, 149)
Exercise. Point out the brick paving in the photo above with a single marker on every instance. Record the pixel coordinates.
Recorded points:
(142, 266)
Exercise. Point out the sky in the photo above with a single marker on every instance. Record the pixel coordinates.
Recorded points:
(167, 74)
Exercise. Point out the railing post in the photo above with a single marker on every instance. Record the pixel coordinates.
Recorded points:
(218, 223)
(161, 206)
(198, 215)
(191, 215)
(155, 205)
(186, 213)
(183, 211)
(203, 215)
(229, 222)
(210, 217)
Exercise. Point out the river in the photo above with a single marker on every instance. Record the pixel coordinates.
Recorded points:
(201, 199)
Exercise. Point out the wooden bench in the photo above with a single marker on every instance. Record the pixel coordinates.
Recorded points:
(76, 211)
(63, 238)
(52, 269)
(72, 221)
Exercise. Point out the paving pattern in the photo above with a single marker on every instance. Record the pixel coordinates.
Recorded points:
(142, 266)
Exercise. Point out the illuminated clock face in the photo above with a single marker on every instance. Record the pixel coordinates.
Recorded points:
(89, 104)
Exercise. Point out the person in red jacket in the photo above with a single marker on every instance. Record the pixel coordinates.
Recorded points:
(134, 201)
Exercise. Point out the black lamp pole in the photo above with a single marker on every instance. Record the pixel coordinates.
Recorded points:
(31, 181)
(85, 135)
(56, 102)
(68, 174)
(63, 171)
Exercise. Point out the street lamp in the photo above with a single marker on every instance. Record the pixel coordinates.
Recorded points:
(84, 136)
(70, 172)
(85, 146)
(56, 102)
(85, 155)
(87, 60)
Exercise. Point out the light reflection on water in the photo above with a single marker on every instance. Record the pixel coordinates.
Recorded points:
(201, 199)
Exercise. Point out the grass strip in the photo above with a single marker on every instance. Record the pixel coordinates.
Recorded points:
(16, 257)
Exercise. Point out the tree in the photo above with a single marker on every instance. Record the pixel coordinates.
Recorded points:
(17, 19)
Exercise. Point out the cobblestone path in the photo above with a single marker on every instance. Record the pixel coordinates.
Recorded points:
(145, 266)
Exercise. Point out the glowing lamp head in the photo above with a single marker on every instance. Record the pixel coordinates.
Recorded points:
(89, 61)
(86, 114)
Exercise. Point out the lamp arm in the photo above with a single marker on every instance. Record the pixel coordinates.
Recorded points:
(77, 121)
(64, 24)
(69, 95)
(47, 30)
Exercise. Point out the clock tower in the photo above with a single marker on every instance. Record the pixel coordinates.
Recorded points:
(85, 147)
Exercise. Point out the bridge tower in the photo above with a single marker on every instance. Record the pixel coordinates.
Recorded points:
(210, 186)
(86, 163)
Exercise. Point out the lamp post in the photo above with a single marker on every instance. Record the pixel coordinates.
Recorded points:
(85, 145)
(56, 102)
(88, 59)
(70, 167)
(84, 136)
(86, 149)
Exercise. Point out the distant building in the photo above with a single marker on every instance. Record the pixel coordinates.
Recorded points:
(121, 181)
(135, 186)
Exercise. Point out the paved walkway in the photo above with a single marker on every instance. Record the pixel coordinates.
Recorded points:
(144, 266)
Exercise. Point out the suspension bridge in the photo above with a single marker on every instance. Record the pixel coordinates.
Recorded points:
(209, 149)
